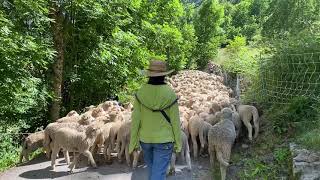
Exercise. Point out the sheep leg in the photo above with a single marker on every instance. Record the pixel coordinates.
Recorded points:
(109, 149)
(21, 157)
(135, 159)
(249, 127)
(74, 162)
(112, 141)
(89, 155)
(127, 155)
(187, 156)
(66, 156)
(212, 155)
(105, 151)
(121, 152)
(195, 146)
(93, 147)
(182, 154)
(26, 155)
(223, 171)
(54, 154)
(173, 163)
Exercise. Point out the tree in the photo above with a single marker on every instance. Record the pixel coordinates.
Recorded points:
(58, 40)
(291, 17)
(207, 22)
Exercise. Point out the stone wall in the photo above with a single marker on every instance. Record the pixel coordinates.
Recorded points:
(305, 163)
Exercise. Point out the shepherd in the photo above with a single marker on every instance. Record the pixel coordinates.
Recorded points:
(155, 121)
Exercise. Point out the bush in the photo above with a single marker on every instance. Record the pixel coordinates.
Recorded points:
(298, 116)
(311, 139)
(241, 59)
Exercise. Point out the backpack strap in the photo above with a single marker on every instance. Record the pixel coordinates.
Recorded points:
(160, 110)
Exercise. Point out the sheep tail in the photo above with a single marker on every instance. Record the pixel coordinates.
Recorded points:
(221, 160)
(46, 143)
(255, 114)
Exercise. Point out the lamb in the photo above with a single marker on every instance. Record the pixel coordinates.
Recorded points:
(73, 140)
(49, 132)
(86, 119)
(194, 127)
(221, 137)
(72, 116)
(33, 142)
(102, 137)
(89, 108)
(184, 125)
(123, 145)
(72, 113)
(114, 133)
(203, 133)
(215, 107)
(237, 123)
(128, 106)
(184, 154)
(97, 112)
(213, 119)
(247, 113)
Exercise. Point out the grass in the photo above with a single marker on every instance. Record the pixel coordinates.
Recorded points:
(9, 159)
(310, 140)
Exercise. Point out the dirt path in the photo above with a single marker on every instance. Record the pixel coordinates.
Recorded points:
(38, 168)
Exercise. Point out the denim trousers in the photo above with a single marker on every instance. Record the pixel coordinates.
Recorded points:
(157, 156)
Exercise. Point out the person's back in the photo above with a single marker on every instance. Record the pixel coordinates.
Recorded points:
(156, 123)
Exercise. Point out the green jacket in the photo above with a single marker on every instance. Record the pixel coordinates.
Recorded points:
(151, 127)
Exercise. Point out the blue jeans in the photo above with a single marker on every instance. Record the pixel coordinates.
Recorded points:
(157, 156)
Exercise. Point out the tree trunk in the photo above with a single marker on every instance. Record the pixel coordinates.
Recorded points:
(57, 31)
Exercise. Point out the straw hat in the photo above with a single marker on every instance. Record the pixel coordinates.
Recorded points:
(157, 68)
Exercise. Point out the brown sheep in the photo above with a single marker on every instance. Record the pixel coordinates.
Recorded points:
(33, 142)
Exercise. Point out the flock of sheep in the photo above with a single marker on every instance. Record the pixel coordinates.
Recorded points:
(207, 114)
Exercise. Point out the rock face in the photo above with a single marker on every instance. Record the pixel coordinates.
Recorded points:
(306, 164)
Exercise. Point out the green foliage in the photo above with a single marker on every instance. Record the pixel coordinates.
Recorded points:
(310, 139)
(9, 146)
(298, 116)
(291, 17)
(244, 18)
(207, 29)
(241, 60)
(256, 168)
(26, 55)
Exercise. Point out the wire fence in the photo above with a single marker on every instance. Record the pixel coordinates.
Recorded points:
(285, 77)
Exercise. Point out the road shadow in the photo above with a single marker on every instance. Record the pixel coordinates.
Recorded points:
(42, 174)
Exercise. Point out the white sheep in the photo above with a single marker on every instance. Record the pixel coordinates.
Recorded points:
(123, 142)
(49, 132)
(184, 154)
(194, 129)
(248, 113)
(203, 133)
(73, 140)
(72, 116)
(221, 137)
(102, 137)
(33, 142)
